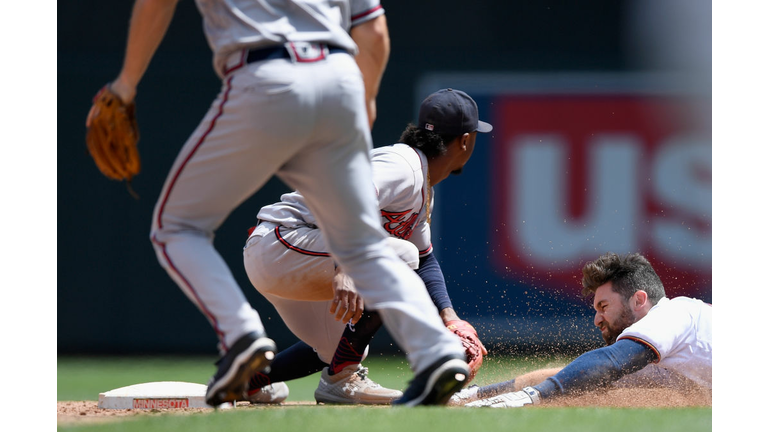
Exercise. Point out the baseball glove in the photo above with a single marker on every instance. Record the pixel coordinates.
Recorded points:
(473, 348)
(112, 136)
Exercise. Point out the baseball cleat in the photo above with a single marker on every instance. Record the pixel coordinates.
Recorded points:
(251, 353)
(352, 386)
(436, 384)
(269, 394)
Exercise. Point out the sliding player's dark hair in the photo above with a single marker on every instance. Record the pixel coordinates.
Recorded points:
(627, 274)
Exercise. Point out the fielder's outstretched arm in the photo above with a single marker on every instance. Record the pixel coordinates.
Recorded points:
(430, 272)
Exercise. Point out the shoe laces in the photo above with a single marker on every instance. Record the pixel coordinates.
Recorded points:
(362, 372)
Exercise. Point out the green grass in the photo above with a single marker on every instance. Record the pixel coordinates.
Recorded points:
(85, 378)
(334, 419)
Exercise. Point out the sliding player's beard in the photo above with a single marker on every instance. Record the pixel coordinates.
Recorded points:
(611, 331)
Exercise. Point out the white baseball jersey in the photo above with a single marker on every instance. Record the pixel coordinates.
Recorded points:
(405, 198)
(231, 25)
(679, 331)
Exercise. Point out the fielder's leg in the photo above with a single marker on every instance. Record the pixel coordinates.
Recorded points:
(344, 203)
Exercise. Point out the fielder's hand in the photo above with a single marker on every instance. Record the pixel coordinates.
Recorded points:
(347, 303)
(528, 396)
(473, 348)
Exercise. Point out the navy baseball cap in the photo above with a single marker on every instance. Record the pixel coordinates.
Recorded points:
(450, 112)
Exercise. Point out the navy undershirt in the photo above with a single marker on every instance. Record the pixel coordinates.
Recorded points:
(430, 272)
(598, 367)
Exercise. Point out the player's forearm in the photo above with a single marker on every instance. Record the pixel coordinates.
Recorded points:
(150, 20)
(430, 272)
(372, 39)
(598, 368)
(517, 384)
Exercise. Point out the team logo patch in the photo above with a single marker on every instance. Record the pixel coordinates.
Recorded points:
(399, 224)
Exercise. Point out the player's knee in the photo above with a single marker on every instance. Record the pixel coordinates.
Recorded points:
(406, 250)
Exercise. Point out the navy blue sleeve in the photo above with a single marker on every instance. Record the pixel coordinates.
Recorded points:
(430, 272)
(598, 367)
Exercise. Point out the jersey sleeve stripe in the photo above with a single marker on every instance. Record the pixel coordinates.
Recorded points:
(364, 16)
(646, 343)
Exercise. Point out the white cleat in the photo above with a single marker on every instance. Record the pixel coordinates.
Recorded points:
(352, 386)
(274, 393)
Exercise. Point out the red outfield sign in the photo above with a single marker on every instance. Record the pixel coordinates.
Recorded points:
(578, 175)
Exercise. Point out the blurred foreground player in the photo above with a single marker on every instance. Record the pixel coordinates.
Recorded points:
(299, 81)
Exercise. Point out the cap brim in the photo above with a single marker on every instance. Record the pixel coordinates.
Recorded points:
(483, 126)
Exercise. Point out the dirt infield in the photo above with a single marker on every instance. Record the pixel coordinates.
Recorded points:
(88, 411)
(636, 398)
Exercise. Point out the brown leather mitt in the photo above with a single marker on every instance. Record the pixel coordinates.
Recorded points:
(112, 136)
(473, 348)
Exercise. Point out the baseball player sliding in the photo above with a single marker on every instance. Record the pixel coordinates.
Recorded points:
(652, 340)
(287, 260)
(299, 82)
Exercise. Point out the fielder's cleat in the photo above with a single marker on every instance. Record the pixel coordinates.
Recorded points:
(464, 396)
(436, 384)
(269, 394)
(251, 353)
(352, 386)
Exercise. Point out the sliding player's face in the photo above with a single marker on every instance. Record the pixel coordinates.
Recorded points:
(612, 313)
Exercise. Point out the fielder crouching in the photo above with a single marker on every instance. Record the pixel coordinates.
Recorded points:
(288, 262)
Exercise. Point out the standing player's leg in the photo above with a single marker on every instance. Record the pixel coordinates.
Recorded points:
(231, 155)
(344, 203)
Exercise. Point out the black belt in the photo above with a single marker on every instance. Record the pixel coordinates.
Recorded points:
(281, 52)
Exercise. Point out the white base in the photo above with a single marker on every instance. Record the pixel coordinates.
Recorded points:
(155, 395)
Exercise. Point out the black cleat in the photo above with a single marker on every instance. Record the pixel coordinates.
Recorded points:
(251, 353)
(436, 384)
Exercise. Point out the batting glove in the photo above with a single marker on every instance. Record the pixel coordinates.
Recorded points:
(528, 396)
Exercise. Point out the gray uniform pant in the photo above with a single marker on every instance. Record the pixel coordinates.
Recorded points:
(306, 123)
(291, 268)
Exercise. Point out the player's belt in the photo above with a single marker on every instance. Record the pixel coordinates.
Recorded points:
(300, 52)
